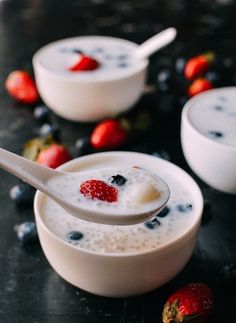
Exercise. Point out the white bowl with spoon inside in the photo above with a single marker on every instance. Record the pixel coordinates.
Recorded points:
(118, 261)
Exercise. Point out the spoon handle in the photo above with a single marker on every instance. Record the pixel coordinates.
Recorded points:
(27, 170)
(155, 43)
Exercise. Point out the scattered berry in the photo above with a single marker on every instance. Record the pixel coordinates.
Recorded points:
(75, 235)
(191, 303)
(22, 194)
(198, 65)
(52, 130)
(108, 134)
(21, 87)
(118, 180)
(26, 232)
(97, 189)
(85, 63)
(42, 114)
(180, 64)
(198, 86)
(83, 146)
(164, 76)
(53, 156)
(228, 276)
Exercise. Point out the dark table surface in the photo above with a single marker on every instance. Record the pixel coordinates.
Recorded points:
(30, 291)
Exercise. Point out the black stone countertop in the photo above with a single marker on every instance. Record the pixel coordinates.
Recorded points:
(30, 291)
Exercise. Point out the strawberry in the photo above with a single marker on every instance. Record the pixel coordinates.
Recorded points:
(53, 156)
(198, 65)
(108, 134)
(97, 189)
(21, 87)
(198, 86)
(191, 303)
(85, 63)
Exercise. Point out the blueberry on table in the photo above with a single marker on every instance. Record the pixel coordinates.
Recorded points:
(83, 146)
(228, 276)
(180, 64)
(26, 232)
(42, 114)
(52, 130)
(164, 76)
(22, 194)
(118, 180)
(74, 235)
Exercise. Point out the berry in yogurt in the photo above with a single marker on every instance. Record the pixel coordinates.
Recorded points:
(84, 63)
(216, 118)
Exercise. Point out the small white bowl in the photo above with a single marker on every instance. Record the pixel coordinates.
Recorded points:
(125, 273)
(212, 159)
(92, 95)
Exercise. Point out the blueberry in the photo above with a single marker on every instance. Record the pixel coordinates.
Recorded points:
(118, 180)
(122, 65)
(163, 212)
(153, 223)
(218, 108)
(83, 146)
(212, 76)
(42, 114)
(215, 134)
(22, 194)
(77, 51)
(52, 130)
(26, 232)
(122, 56)
(180, 64)
(184, 207)
(75, 235)
(164, 76)
(228, 275)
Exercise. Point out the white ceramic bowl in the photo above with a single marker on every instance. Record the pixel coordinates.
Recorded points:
(87, 96)
(122, 274)
(212, 159)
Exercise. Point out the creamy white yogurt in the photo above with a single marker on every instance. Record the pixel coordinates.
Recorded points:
(214, 115)
(170, 225)
(114, 55)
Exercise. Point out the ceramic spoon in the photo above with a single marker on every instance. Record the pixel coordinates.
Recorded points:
(155, 43)
(41, 178)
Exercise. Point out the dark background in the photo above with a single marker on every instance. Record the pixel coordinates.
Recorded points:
(30, 291)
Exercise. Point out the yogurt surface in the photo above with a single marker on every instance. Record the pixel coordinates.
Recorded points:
(213, 114)
(174, 220)
(113, 54)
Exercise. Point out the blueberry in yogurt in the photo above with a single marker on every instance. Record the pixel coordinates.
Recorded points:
(74, 235)
(184, 207)
(164, 212)
(153, 223)
(118, 180)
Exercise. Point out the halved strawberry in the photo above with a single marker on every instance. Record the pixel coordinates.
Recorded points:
(85, 63)
(97, 189)
(21, 87)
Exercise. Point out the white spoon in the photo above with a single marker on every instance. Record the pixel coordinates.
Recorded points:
(43, 179)
(155, 43)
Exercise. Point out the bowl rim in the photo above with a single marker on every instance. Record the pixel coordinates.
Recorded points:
(196, 100)
(143, 64)
(194, 226)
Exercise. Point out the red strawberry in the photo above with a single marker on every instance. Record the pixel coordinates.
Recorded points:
(108, 134)
(53, 156)
(198, 65)
(198, 86)
(97, 189)
(191, 303)
(21, 87)
(85, 63)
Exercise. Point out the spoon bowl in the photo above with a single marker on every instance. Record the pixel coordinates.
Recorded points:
(64, 188)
